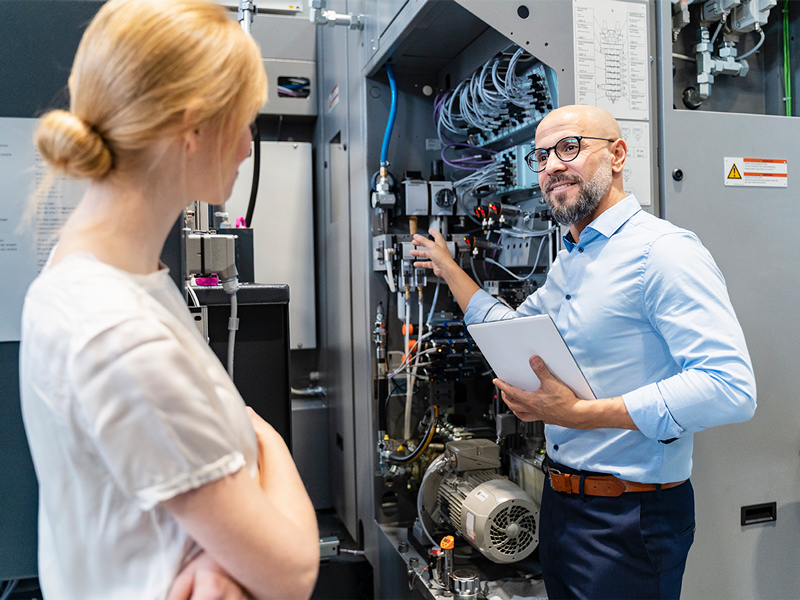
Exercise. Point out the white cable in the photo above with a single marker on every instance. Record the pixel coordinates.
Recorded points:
(535, 262)
(754, 48)
(684, 57)
(10, 585)
(514, 275)
(433, 467)
(389, 276)
(421, 326)
(474, 272)
(406, 364)
(433, 302)
(408, 358)
(409, 384)
(716, 33)
(529, 233)
(411, 379)
(233, 325)
(192, 294)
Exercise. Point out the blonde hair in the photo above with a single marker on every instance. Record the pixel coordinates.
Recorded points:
(146, 70)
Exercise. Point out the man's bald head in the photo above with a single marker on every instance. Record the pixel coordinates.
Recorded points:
(585, 184)
(584, 120)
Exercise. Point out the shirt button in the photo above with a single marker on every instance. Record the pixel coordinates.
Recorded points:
(568, 297)
(580, 248)
(555, 446)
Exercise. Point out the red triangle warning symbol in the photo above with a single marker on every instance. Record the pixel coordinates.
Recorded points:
(734, 174)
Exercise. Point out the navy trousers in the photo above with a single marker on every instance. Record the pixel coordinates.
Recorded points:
(632, 546)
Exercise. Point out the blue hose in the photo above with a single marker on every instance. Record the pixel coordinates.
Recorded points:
(392, 116)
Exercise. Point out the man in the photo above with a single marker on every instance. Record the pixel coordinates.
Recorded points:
(646, 314)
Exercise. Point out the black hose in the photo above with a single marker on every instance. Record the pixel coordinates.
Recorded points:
(426, 440)
(251, 206)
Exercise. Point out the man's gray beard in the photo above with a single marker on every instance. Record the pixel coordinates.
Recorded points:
(588, 198)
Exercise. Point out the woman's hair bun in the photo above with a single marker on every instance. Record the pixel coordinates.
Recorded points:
(72, 147)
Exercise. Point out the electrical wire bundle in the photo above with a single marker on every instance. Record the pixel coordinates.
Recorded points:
(484, 100)
(481, 183)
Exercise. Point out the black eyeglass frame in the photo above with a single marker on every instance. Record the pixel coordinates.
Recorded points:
(530, 158)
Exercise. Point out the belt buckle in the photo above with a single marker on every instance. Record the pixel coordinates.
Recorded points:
(550, 479)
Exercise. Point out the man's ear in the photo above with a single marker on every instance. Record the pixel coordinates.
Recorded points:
(620, 152)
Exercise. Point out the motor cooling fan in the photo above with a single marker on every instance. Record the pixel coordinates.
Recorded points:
(463, 488)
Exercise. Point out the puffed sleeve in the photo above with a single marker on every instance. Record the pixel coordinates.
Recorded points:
(151, 411)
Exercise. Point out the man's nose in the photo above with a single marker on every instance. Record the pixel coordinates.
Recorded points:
(554, 163)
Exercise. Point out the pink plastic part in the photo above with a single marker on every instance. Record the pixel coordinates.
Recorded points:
(214, 280)
(240, 223)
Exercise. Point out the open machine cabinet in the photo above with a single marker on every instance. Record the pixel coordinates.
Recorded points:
(614, 53)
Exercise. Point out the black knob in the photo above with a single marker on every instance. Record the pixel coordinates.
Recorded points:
(677, 175)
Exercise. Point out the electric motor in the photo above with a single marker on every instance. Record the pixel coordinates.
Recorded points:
(464, 488)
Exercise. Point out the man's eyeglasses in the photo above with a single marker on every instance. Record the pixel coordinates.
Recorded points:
(566, 149)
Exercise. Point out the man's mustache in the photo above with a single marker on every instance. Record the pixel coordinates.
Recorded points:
(558, 179)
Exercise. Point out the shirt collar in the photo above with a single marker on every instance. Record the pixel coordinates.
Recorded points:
(608, 222)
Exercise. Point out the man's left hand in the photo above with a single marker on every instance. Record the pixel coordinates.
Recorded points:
(554, 403)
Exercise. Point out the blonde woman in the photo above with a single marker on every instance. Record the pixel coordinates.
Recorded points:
(155, 480)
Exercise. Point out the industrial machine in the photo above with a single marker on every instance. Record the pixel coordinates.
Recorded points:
(423, 112)
(427, 111)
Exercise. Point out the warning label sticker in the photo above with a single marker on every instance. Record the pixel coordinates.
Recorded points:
(756, 172)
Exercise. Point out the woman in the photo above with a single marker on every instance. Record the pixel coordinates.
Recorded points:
(153, 476)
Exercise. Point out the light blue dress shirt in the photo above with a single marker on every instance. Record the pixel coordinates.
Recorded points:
(645, 311)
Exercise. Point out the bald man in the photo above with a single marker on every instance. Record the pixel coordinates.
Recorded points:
(646, 314)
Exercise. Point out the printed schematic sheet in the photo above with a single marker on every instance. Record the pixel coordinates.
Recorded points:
(24, 247)
(612, 64)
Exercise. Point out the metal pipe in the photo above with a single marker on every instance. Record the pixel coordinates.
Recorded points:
(247, 10)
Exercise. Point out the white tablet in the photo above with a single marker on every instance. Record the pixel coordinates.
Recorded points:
(508, 346)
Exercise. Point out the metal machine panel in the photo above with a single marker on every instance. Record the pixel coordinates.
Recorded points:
(336, 309)
(283, 227)
(310, 449)
(749, 231)
(380, 14)
(283, 71)
(546, 32)
(360, 244)
(338, 355)
(335, 270)
(285, 37)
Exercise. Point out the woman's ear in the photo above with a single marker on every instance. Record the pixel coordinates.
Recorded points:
(191, 118)
(191, 140)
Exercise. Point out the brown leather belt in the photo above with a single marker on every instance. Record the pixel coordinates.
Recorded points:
(601, 485)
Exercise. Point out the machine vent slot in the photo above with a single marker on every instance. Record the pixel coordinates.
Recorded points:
(450, 503)
(512, 530)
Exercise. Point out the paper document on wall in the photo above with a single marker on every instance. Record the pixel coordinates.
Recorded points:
(25, 248)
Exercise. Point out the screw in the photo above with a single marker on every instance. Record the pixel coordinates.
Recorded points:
(677, 175)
